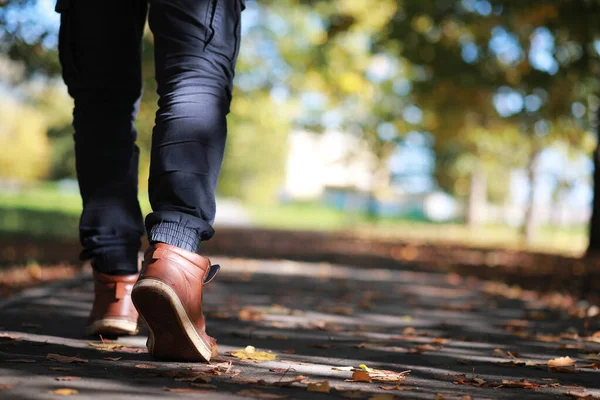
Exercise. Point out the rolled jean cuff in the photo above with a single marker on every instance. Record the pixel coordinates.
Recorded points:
(175, 234)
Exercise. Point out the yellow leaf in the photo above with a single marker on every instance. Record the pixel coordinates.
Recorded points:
(250, 353)
(64, 392)
(322, 387)
(361, 376)
(365, 368)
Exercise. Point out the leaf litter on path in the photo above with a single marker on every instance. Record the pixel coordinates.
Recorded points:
(250, 353)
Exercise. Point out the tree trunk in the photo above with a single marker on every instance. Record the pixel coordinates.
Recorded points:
(477, 197)
(594, 225)
(529, 219)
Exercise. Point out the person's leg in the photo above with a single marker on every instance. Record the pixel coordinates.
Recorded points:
(100, 53)
(196, 46)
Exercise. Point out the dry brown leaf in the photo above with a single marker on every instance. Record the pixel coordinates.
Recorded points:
(322, 387)
(361, 376)
(106, 346)
(384, 376)
(440, 341)
(22, 360)
(257, 394)
(523, 383)
(145, 366)
(67, 378)
(64, 392)
(65, 359)
(250, 353)
(5, 386)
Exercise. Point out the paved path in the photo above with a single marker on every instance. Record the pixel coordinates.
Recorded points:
(455, 337)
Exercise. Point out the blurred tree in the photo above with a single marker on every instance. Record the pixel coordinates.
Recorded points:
(23, 136)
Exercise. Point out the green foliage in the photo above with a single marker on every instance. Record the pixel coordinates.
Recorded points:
(253, 166)
(26, 150)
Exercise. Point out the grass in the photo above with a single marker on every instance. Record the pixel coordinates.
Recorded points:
(49, 210)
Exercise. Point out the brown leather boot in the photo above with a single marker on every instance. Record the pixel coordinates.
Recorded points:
(168, 296)
(113, 312)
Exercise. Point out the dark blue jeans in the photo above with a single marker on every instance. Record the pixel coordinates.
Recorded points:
(196, 44)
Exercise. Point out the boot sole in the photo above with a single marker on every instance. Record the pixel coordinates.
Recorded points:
(172, 335)
(112, 327)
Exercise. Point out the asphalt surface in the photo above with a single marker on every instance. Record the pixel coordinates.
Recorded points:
(417, 335)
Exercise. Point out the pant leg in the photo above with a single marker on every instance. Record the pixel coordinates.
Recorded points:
(100, 54)
(196, 47)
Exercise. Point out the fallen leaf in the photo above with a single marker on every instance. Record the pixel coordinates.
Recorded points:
(106, 346)
(365, 368)
(361, 376)
(561, 364)
(250, 353)
(257, 394)
(145, 366)
(112, 358)
(67, 378)
(440, 341)
(64, 392)
(322, 387)
(523, 383)
(288, 351)
(62, 369)
(65, 359)
(22, 360)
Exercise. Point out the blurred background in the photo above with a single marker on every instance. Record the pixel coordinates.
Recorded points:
(458, 121)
